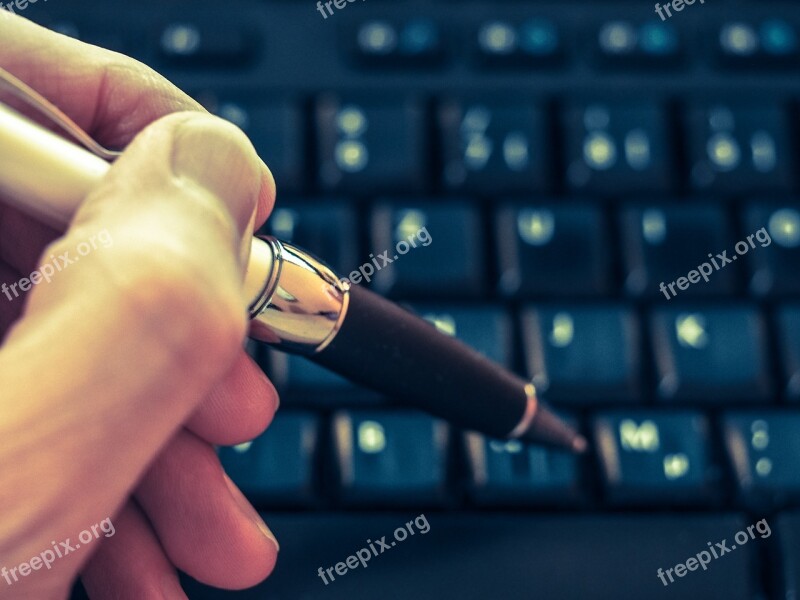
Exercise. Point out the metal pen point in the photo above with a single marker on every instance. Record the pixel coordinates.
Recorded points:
(299, 305)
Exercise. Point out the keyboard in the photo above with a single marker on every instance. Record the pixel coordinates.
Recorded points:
(610, 199)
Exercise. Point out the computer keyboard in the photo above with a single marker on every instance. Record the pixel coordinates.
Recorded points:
(567, 159)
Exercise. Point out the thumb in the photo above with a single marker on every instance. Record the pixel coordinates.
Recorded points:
(137, 311)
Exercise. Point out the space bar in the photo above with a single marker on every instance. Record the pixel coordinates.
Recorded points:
(484, 557)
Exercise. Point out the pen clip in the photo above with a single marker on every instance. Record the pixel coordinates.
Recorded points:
(22, 91)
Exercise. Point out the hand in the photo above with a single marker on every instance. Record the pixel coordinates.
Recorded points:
(120, 373)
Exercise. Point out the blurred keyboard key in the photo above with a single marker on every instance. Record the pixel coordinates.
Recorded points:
(640, 45)
(651, 457)
(736, 149)
(427, 250)
(711, 355)
(774, 248)
(534, 42)
(487, 329)
(788, 327)
(787, 528)
(553, 250)
(327, 229)
(205, 45)
(417, 42)
(583, 356)
(764, 449)
(617, 149)
(371, 146)
(390, 458)
(758, 44)
(493, 148)
(278, 467)
(662, 243)
(278, 133)
(509, 473)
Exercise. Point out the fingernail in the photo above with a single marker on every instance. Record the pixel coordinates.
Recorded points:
(250, 512)
(217, 156)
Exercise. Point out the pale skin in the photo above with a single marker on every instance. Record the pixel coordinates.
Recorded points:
(118, 376)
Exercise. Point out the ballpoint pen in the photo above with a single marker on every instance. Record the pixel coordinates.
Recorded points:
(299, 305)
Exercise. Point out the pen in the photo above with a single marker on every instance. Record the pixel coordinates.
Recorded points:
(299, 305)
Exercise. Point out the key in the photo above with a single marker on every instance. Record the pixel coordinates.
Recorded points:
(764, 450)
(494, 147)
(277, 131)
(617, 149)
(536, 42)
(626, 550)
(712, 355)
(583, 355)
(277, 468)
(748, 43)
(407, 261)
(417, 42)
(553, 250)
(739, 149)
(371, 146)
(788, 328)
(326, 228)
(509, 473)
(650, 44)
(662, 243)
(773, 242)
(221, 45)
(487, 329)
(390, 458)
(651, 457)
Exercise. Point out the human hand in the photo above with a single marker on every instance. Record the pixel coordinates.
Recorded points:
(120, 373)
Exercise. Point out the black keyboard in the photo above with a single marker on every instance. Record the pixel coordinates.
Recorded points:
(613, 210)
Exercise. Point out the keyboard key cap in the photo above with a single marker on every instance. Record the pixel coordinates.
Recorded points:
(626, 551)
(194, 44)
(710, 355)
(487, 329)
(494, 148)
(787, 526)
(510, 473)
(583, 355)
(651, 457)
(452, 266)
(774, 261)
(277, 468)
(764, 449)
(553, 250)
(738, 149)
(534, 42)
(371, 146)
(788, 327)
(639, 45)
(617, 149)
(390, 458)
(326, 228)
(417, 42)
(662, 243)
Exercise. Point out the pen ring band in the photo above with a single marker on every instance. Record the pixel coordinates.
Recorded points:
(530, 412)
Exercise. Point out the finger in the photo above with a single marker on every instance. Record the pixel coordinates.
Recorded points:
(206, 526)
(131, 564)
(116, 351)
(239, 408)
(110, 95)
